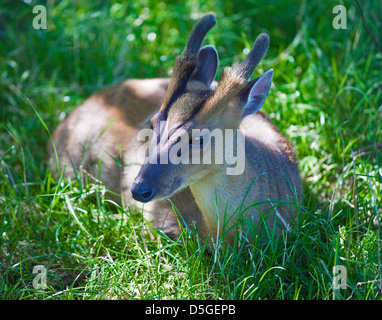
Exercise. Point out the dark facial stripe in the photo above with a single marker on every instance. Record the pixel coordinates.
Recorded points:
(179, 91)
(197, 98)
(183, 69)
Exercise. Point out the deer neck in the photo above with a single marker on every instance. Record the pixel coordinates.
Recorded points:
(219, 197)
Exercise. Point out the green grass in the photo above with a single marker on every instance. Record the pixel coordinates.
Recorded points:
(326, 98)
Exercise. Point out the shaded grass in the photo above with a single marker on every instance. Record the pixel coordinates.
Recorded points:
(326, 98)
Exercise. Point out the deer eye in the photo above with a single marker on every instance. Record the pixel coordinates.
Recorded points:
(197, 141)
(148, 124)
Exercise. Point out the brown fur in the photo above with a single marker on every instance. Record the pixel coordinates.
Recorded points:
(203, 193)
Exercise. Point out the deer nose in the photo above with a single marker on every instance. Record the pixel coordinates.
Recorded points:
(142, 192)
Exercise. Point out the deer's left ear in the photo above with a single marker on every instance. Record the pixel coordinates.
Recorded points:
(258, 93)
(208, 65)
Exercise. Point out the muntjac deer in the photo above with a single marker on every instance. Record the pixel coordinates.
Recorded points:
(184, 115)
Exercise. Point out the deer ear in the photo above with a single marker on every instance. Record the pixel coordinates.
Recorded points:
(207, 66)
(258, 93)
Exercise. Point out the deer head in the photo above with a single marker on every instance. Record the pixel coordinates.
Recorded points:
(192, 113)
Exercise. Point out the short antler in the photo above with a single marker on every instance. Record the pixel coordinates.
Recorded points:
(234, 80)
(198, 34)
(254, 57)
(187, 62)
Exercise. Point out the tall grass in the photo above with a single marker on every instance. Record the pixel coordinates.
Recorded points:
(326, 98)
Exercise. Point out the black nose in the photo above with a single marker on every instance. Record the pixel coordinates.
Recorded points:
(141, 192)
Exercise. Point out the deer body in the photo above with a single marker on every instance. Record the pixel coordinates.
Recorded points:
(107, 125)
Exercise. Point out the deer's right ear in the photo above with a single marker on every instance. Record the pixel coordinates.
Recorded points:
(207, 66)
(258, 93)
